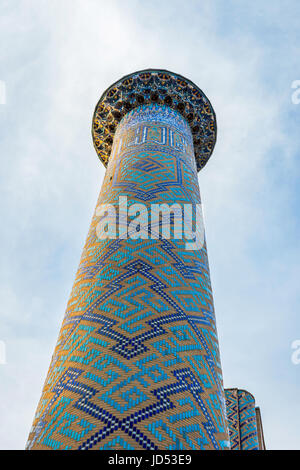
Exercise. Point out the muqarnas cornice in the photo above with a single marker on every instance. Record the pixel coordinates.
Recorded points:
(161, 87)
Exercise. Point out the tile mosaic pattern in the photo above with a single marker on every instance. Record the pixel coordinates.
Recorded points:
(242, 420)
(160, 87)
(137, 364)
(260, 431)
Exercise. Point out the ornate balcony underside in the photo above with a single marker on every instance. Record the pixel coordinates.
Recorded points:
(161, 87)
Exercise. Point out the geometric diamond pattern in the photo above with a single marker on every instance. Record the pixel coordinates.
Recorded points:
(137, 365)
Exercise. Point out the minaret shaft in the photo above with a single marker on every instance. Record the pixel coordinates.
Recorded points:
(137, 361)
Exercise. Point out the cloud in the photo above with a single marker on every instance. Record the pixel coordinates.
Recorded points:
(58, 59)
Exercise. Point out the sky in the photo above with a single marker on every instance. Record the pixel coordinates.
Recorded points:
(57, 57)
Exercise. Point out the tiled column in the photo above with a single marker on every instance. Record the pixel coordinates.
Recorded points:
(137, 361)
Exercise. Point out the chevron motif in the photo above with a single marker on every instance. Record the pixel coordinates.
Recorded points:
(241, 418)
(136, 365)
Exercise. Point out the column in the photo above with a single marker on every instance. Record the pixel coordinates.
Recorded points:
(137, 363)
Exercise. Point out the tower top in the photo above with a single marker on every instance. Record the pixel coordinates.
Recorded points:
(161, 87)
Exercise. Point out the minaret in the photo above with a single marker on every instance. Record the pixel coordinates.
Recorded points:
(244, 420)
(137, 363)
